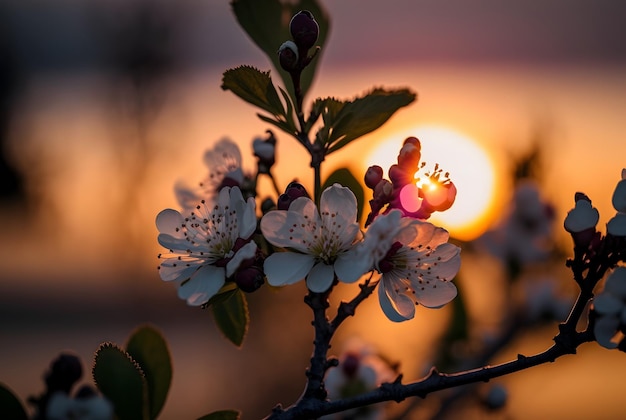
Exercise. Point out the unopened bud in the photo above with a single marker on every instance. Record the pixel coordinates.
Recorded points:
(293, 191)
(619, 195)
(265, 150)
(410, 155)
(288, 56)
(399, 177)
(373, 176)
(64, 371)
(304, 30)
(350, 364)
(582, 217)
(249, 279)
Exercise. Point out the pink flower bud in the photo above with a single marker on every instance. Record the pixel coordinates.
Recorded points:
(410, 155)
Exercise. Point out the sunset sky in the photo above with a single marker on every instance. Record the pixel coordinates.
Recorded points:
(498, 73)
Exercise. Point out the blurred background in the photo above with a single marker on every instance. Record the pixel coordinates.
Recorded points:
(104, 105)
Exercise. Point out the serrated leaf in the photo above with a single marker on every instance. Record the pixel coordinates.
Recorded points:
(222, 415)
(267, 23)
(347, 121)
(148, 348)
(231, 316)
(255, 87)
(344, 177)
(120, 379)
(10, 405)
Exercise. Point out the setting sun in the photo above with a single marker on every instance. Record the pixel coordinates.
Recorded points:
(468, 165)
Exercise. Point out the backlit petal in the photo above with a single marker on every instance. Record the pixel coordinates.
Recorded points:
(282, 268)
(320, 278)
(203, 285)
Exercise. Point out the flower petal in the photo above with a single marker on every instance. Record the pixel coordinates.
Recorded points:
(339, 200)
(245, 252)
(174, 269)
(607, 304)
(285, 228)
(616, 282)
(202, 285)
(604, 331)
(282, 268)
(320, 278)
(387, 306)
(169, 222)
(436, 294)
(351, 265)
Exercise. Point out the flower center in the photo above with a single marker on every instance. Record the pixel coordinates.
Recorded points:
(389, 261)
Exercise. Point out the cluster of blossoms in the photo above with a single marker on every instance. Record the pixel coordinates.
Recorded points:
(213, 244)
(592, 251)
(524, 235)
(416, 198)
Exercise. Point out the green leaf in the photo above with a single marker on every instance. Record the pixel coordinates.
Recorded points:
(122, 381)
(344, 177)
(222, 415)
(224, 293)
(10, 405)
(149, 349)
(267, 23)
(347, 121)
(253, 86)
(231, 316)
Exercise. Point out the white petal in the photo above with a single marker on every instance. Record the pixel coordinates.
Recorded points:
(173, 269)
(616, 282)
(617, 225)
(607, 304)
(436, 294)
(203, 285)
(339, 200)
(320, 278)
(170, 242)
(247, 219)
(170, 221)
(619, 196)
(282, 268)
(225, 155)
(604, 331)
(387, 306)
(284, 229)
(188, 197)
(245, 252)
(351, 265)
(448, 261)
(582, 216)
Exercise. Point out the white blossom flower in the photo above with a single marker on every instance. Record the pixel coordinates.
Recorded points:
(416, 262)
(62, 407)
(524, 235)
(360, 369)
(223, 161)
(317, 242)
(617, 225)
(207, 246)
(610, 305)
(582, 217)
